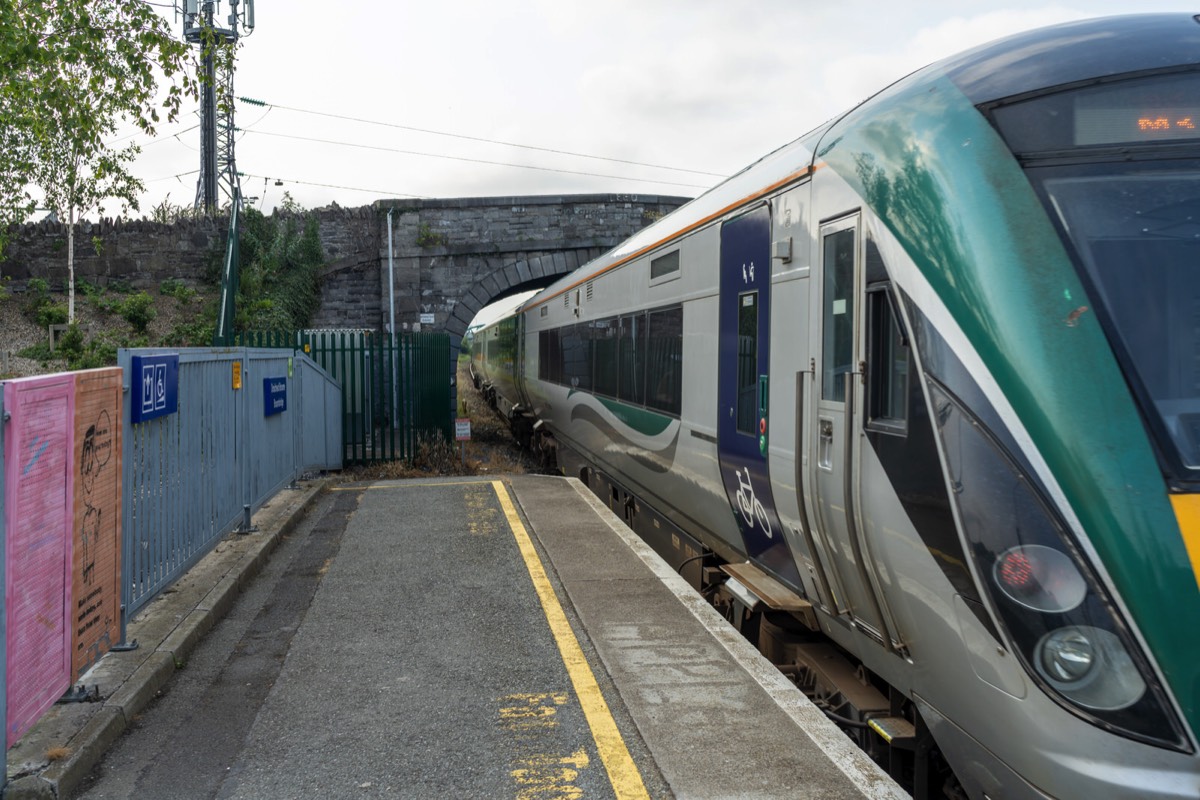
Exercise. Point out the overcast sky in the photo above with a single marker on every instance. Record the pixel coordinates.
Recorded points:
(700, 85)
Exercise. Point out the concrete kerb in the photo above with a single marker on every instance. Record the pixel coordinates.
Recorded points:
(168, 630)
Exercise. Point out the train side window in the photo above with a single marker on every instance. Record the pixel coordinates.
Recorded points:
(603, 335)
(664, 268)
(549, 357)
(887, 364)
(631, 380)
(577, 365)
(664, 360)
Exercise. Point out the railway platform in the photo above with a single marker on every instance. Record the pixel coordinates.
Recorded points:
(487, 638)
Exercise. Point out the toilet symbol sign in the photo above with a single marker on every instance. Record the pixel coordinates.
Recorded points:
(157, 382)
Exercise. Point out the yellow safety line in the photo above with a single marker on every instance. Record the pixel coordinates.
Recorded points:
(622, 772)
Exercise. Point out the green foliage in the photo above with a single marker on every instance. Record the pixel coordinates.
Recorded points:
(37, 298)
(95, 354)
(51, 313)
(71, 343)
(198, 333)
(173, 287)
(5, 292)
(105, 303)
(168, 213)
(138, 311)
(75, 351)
(87, 288)
(38, 352)
(427, 237)
(120, 286)
(280, 274)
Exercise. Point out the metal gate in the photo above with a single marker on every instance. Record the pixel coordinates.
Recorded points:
(395, 389)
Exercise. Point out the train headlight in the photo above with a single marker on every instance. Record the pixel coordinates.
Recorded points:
(1091, 667)
(1058, 616)
(1067, 656)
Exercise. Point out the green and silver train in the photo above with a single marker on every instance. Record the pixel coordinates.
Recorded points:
(916, 399)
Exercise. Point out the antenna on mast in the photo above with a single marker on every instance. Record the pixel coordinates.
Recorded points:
(218, 171)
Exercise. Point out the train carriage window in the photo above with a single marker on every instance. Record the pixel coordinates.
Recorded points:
(887, 364)
(576, 350)
(747, 364)
(549, 356)
(838, 343)
(664, 360)
(603, 335)
(631, 379)
(664, 268)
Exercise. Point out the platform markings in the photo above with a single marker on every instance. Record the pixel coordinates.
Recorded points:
(623, 774)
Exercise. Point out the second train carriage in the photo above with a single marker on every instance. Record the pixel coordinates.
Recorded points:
(927, 378)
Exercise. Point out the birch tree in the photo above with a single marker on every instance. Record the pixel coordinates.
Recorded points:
(73, 72)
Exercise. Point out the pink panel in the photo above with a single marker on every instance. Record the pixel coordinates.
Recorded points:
(38, 459)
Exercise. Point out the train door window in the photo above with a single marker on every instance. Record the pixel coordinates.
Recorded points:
(838, 322)
(664, 360)
(603, 333)
(887, 364)
(747, 363)
(631, 380)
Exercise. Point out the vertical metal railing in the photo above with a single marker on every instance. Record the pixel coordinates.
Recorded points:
(191, 477)
(395, 389)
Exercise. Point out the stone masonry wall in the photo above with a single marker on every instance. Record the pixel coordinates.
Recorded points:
(440, 250)
(139, 252)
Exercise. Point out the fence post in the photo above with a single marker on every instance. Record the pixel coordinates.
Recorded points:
(242, 442)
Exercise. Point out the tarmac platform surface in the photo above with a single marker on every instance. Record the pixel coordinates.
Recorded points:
(477, 638)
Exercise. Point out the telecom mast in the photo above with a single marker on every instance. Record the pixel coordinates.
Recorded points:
(218, 172)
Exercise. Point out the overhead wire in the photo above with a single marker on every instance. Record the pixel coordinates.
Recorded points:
(252, 101)
(380, 192)
(475, 160)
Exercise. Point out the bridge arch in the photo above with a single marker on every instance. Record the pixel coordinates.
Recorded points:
(519, 276)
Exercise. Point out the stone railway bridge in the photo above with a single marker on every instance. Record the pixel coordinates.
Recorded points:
(446, 258)
(450, 258)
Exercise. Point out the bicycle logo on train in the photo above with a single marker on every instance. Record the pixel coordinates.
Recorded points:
(754, 513)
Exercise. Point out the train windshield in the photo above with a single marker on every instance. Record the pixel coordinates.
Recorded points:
(1138, 236)
(1118, 165)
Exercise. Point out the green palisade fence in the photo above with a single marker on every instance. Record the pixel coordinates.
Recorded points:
(395, 390)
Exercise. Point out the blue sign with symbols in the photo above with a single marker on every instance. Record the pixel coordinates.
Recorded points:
(274, 395)
(155, 387)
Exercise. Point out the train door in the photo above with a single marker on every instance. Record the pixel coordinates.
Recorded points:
(835, 440)
(520, 366)
(743, 425)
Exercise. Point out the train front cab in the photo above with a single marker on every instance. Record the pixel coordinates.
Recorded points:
(996, 444)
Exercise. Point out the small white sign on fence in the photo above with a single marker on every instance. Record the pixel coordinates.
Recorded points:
(462, 429)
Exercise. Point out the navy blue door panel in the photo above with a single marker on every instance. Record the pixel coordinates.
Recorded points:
(743, 424)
